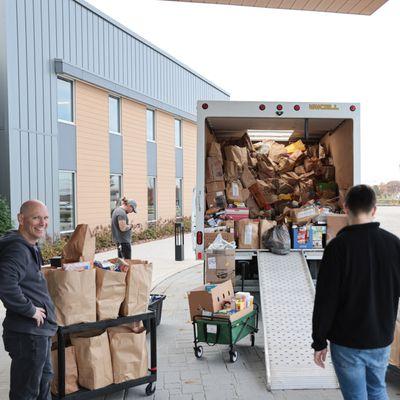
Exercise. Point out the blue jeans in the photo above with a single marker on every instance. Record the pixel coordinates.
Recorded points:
(361, 373)
(31, 372)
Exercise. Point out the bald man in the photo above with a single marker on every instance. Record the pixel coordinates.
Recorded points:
(30, 319)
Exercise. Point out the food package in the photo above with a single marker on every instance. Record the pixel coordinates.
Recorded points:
(267, 167)
(291, 178)
(300, 170)
(286, 165)
(214, 170)
(231, 171)
(73, 294)
(304, 214)
(234, 192)
(128, 353)
(215, 151)
(71, 371)
(248, 234)
(259, 196)
(284, 187)
(297, 146)
(236, 154)
(93, 358)
(220, 266)
(247, 177)
(237, 213)
(215, 186)
(216, 200)
(138, 285)
(264, 226)
(81, 246)
(110, 293)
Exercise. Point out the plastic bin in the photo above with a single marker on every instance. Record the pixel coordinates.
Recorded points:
(155, 304)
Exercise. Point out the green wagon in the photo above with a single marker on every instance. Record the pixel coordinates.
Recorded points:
(220, 330)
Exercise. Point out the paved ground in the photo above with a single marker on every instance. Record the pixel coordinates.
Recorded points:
(181, 375)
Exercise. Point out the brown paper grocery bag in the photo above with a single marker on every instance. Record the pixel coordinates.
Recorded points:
(138, 285)
(394, 358)
(93, 359)
(81, 246)
(71, 371)
(110, 293)
(73, 294)
(128, 353)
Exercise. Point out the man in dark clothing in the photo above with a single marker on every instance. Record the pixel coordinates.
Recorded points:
(356, 300)
(30, 316)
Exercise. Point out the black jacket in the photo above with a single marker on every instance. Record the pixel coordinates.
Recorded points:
(23, 286)
(358, 289)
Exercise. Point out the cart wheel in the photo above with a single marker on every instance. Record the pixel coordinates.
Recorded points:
(252, 339)
(233, 355)
(150, 389)
(198, 351)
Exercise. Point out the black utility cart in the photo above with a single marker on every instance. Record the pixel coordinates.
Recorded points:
(150, 379)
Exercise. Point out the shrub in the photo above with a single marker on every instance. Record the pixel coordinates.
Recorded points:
(5, 216)
(52, 248)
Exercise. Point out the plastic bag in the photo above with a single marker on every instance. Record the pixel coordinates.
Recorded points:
(220, 244)
(277, 240)
(299, 145)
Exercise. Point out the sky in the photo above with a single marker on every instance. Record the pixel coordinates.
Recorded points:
(284, 55)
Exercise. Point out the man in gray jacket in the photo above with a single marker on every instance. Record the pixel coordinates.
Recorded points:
(30, 316)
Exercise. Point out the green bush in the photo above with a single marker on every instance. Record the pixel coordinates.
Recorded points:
(5, 216)
(52, 248)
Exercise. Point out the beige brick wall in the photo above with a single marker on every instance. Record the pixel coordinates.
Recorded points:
(92, 142)
(166, 175)
(189, 132)
(135, 156)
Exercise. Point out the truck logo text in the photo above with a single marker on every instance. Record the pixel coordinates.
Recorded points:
(327, 107)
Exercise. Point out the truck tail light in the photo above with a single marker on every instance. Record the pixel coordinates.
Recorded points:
(199, 238)
(199, 256)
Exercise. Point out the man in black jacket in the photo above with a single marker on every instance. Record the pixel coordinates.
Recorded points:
(356, 300)
(30, 317)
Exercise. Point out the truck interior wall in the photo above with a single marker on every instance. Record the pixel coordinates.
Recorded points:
(340, 145)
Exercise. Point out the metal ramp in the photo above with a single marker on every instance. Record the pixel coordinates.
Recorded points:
(287, 296)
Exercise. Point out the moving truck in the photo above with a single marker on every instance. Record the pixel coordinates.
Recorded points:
(284, 281)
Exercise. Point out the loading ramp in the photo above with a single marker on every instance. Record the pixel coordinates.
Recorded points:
(287, 297)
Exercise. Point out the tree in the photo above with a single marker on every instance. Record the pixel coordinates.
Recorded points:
(5, 216)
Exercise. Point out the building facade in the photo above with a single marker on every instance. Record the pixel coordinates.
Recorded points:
(89, 112)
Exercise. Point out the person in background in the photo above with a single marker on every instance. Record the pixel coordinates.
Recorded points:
(121, 229)
(30, 316)
(356, 300)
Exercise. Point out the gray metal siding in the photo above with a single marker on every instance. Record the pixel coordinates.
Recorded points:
(115, 154)
(179, 162)
(151, 159)
(67, 147)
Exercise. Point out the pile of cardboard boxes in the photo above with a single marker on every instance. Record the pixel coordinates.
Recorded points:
(251, 187)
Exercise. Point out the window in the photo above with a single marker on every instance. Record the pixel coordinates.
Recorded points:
(115, 191)
(150, 126)
(64, 100)
(178, 197)
(114, 115)
(67, 200)
(178, 133)
(151, 199)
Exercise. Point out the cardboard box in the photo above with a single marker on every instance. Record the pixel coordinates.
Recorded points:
(237, 213)
(302, 237)
(215, 151)
(215, 186)
(231, 170)
(264, 226)
(248, 234)
(220, 266)
(216, 200)
(212, 301)
(234, 192)
(247, 177)
(214, 171)
(304, 214)
(335, 222)
(210, 237)
(236, 154)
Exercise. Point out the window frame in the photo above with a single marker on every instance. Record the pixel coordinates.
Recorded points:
(180, 146)
(181, 197)
(119, 133)
(72, 85)
(154, 125)
(74, 196)
(155, 198)
(120, 176)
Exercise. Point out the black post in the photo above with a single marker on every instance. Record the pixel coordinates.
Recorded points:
(153, 346)
(61, 363)
(179, 241)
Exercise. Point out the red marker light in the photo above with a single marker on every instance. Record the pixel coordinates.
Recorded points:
(199, 238)
(296, 107)
(279, 107)
(204, 106)
(353, 108)
(262, 107)
(199, 256)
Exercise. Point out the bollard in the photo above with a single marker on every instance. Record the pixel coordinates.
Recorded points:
(179, 241)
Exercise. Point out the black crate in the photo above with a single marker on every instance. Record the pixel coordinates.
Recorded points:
(155, 304)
